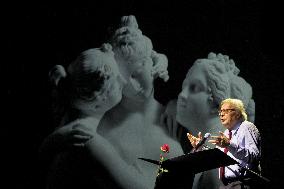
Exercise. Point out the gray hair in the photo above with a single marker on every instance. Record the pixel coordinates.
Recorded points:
(238, 105)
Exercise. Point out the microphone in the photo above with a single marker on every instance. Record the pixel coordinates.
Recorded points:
(200, 143)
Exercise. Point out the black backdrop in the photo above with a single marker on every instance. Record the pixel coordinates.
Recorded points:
(37, 38)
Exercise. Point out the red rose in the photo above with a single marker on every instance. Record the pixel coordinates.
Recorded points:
(165, 148)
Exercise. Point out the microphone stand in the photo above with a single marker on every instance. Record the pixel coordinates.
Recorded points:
(254, 173)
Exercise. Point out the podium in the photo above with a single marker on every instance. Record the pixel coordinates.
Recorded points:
(181, 169)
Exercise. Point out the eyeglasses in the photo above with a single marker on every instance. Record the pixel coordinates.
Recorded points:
(225, 111)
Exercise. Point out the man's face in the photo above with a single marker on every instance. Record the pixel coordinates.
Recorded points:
(229, 115)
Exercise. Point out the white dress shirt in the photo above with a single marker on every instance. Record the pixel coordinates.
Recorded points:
(244, 148)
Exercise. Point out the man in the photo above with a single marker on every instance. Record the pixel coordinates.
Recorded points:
(240, 140)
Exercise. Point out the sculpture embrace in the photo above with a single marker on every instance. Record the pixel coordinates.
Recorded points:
(107, 116)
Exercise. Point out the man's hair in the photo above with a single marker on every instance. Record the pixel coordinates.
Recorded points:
(238, 105)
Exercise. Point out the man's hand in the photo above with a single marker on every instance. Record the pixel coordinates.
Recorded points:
(194, 140)
(221, 140)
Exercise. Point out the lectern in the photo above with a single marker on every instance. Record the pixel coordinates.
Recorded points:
(181, 169)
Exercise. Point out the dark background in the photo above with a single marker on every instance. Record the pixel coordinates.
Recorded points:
(35, 39)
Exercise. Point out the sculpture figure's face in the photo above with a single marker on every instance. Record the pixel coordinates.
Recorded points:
(140, 84)
(193, 101)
